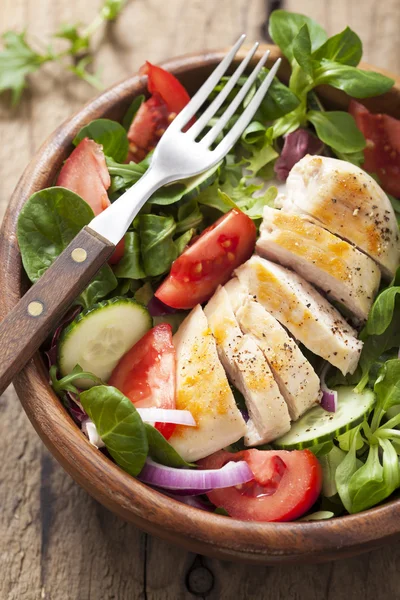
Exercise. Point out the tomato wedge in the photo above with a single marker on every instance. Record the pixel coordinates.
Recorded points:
(382, 153)
(153, 117)
(85, 173)
(146, 373)
(285, 485)
(209, 261)
(167, 86)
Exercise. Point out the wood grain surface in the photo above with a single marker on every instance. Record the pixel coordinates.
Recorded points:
(55, 541)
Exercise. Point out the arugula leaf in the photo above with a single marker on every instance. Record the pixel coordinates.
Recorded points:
(132, 110)
(130, 265)
(355, 82)
(337, 129)
(156, 244)
(302, 50)
(382, 311)
(259, 157)
(47, 223)
(344, 47)
(168, 194)
(215, 198)
(279, 101)
(101, 285)
(124, 175)
(17, 61)
(255, 207)
(119, 425)
(66, 384)
(110, 134)
(183, 240)
(161, 451)
(254, 132)
(284, 27)
(189, 216)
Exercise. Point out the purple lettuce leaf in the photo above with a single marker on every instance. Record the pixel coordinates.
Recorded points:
(295, 146)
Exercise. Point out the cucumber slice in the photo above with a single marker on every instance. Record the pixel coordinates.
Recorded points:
(317, 425)
(100, 336)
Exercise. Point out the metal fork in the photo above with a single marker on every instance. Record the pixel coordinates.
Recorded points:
(178, 155)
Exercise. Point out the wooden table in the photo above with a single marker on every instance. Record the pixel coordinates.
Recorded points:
(55, 541)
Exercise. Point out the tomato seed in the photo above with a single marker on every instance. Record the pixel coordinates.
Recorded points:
(198, 268)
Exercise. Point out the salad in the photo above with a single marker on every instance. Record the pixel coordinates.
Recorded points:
(239, 352)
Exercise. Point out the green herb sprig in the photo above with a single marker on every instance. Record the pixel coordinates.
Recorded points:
(20, 59)
(315, 60)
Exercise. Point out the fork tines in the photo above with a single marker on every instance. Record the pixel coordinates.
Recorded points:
(204, 92)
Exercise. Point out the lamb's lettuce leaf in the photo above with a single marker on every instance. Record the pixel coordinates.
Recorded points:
(119, 425)
(110, 134)
(130, 266)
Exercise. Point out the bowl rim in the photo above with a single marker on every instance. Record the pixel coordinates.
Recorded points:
(207, 533)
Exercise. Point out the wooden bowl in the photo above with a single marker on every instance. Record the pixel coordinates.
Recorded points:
(213, 535)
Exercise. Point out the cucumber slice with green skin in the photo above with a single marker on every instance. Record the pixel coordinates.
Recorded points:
(317, 425)
(98, 338)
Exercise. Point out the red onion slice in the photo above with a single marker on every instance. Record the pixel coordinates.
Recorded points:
(89, 429)
(329, 398)
(166, 415)
(169, 478)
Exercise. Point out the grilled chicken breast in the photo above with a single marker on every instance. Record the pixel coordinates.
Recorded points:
(202, 388)
(347, 202)
(343, 272)
(296, 379)
(249, 371)
(303, 311)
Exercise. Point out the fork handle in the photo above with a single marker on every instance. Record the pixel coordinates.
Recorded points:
(26, 327)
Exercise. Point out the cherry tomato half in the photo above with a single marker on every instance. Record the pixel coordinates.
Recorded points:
(146, 373)
(209, 261)
(285, 485)
(382, 153)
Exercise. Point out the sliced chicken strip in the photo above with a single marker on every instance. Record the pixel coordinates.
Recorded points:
(202, 388)
(348, 202)
(296, 379)
(343, 272)
(249, 371)
(303, 311)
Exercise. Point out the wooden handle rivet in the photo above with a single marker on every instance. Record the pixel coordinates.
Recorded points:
(35, 308)
(79, 255)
